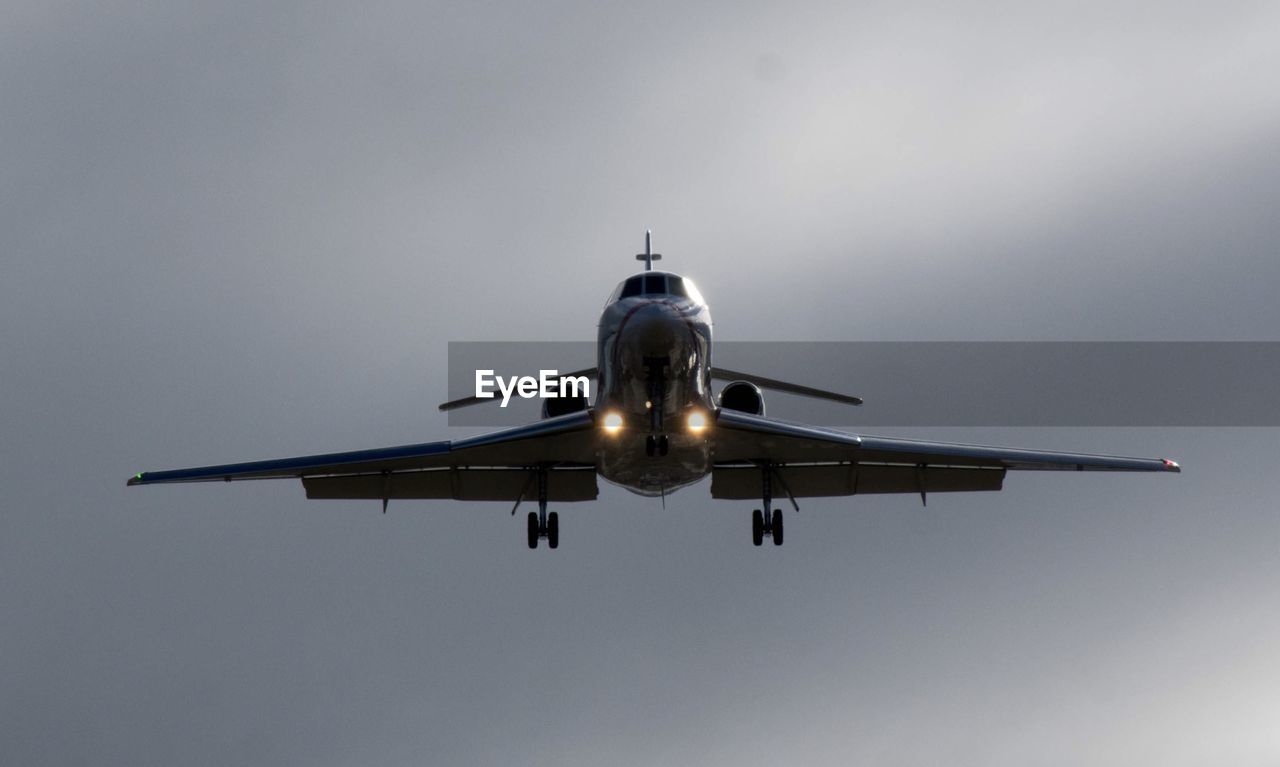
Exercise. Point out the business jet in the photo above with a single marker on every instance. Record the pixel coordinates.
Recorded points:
(656, 426)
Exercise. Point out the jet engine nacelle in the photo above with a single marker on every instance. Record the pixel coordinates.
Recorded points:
(555, 406)
(743, 397)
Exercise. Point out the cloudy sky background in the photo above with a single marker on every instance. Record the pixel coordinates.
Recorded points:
(244, 230)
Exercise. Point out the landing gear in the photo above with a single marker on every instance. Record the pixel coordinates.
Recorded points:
(656, 445)
(541, 524)
(765, 522)
(656, 390)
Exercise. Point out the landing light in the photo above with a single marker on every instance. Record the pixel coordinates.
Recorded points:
(697, 421)
(612, 422)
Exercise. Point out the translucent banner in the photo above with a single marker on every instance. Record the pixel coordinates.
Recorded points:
(926, 383)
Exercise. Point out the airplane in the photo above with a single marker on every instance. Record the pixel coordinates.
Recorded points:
(657, 426)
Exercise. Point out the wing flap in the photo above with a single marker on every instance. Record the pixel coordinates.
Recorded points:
(742, 482)
(563, 485)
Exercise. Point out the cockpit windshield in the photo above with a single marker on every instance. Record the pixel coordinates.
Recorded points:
(657, 284)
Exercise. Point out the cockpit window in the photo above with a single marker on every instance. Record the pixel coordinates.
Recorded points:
(657, 284)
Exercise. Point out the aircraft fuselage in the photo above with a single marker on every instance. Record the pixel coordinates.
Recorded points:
(655, 375)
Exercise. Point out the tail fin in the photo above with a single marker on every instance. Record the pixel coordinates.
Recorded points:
(648, 256)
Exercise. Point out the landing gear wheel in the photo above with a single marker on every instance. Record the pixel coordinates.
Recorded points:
(757, 527)
(662, 444)
(553, 529)
(777, 527)
(650, 446)
(533, 529)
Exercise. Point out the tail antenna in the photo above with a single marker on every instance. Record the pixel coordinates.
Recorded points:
(648, 256)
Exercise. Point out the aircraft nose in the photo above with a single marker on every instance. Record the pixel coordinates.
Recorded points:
(656, 328)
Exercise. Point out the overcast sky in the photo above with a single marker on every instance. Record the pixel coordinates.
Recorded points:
(243, 230)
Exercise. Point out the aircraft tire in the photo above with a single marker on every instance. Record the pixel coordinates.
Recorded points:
(553, 529)
(533, 529)
(757, 527)
(777, 527)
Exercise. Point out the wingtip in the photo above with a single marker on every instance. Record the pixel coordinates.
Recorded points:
(1171, 466)
(136, 479)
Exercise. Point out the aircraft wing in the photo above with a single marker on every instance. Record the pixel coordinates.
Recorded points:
(498, 466)
(812, 461)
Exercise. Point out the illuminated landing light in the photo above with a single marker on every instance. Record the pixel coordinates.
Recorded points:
(697, 421)
(612, 422)
(1171, 465)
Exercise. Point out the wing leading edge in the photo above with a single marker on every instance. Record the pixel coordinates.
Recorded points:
(813, 461)
(493, 466)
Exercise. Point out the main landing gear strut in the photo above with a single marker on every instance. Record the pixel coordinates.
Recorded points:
(769, 521)
(543, 524)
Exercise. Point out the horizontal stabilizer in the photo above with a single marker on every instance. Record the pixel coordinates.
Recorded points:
(724, 374)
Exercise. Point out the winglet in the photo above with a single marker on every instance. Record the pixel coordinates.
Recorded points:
(648, 256)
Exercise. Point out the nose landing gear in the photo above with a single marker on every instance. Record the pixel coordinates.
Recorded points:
(656, 442)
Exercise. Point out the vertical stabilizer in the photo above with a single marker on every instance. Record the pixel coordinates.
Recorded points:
(648, 256)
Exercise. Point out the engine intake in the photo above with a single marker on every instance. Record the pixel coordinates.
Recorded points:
(743, 397)
(557, 406)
